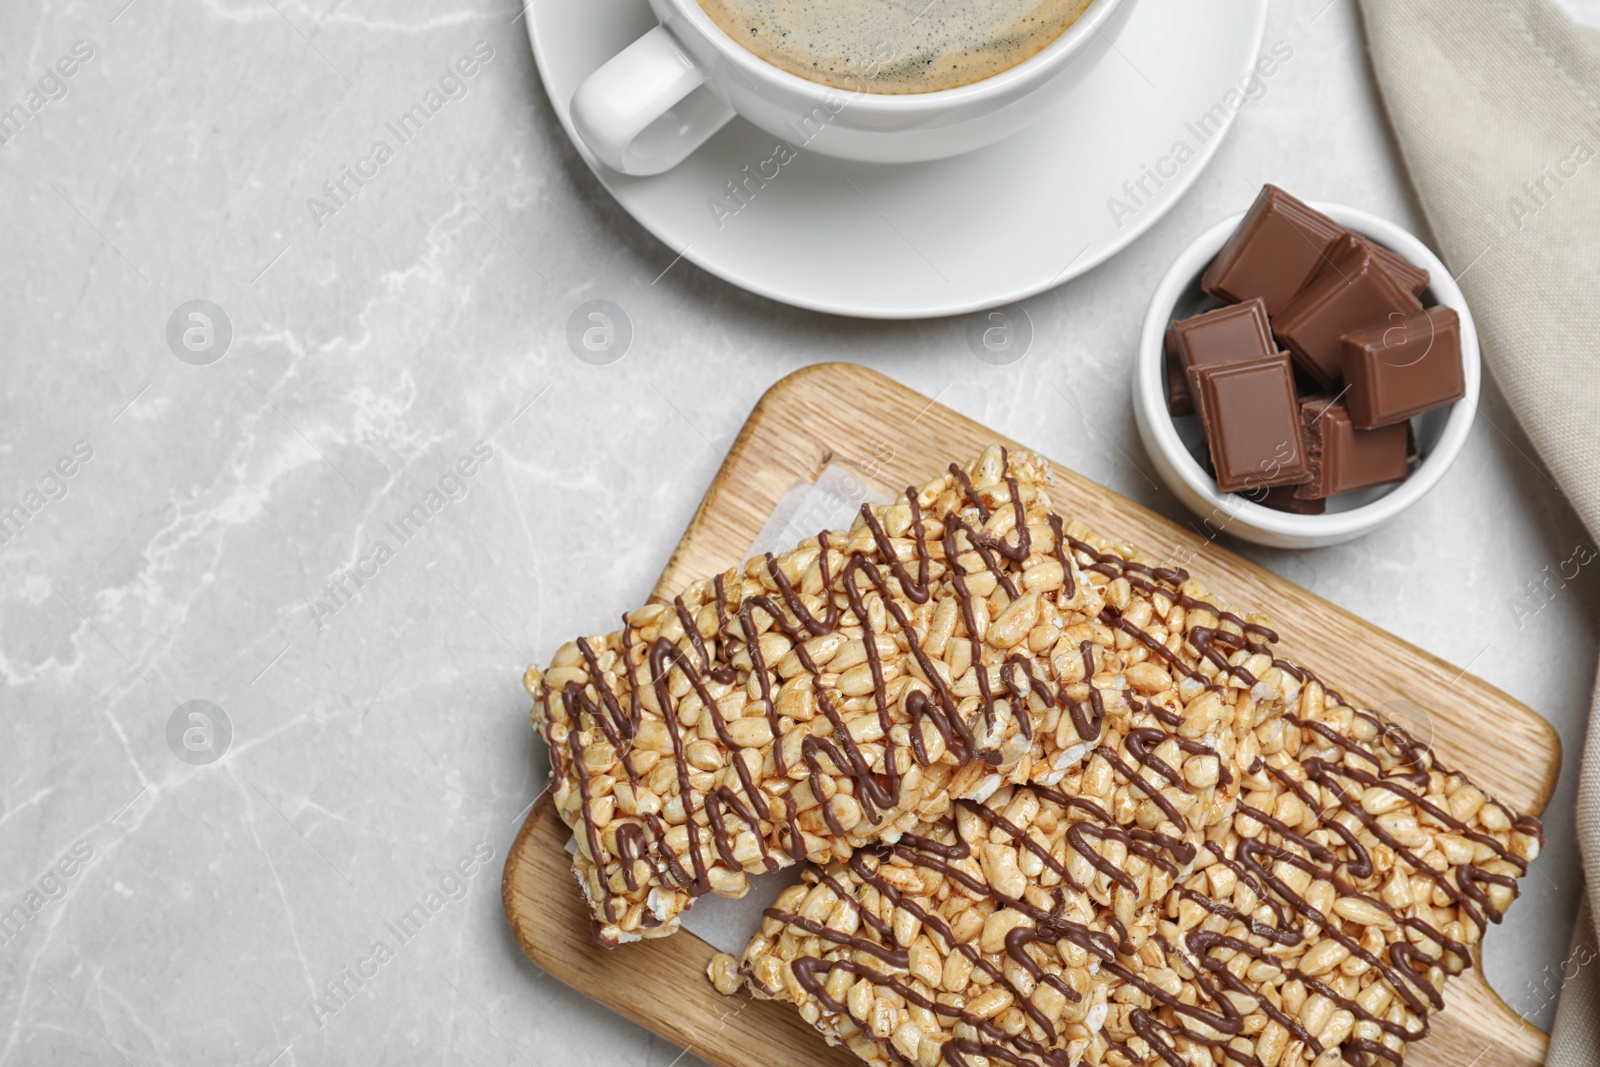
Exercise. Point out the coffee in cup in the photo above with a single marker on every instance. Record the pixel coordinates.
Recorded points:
(894, 46)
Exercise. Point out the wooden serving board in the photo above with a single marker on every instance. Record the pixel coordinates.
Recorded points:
(893, 437)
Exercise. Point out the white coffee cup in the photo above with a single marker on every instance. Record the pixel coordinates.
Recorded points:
(647, 108)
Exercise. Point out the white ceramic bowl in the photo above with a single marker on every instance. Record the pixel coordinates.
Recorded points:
(1175, 444)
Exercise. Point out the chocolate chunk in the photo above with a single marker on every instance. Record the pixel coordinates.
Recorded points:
(1397, 370)
(1178, 400)
(1343, 458)
(1226, 335)
(1287, 498)
(1353, 293)
(1412, 278)
(1252, 423)
(1278, 246)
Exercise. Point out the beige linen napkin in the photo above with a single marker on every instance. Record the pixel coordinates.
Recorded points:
(1496, 106)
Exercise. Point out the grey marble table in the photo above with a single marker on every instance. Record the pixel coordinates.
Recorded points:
(235, 533)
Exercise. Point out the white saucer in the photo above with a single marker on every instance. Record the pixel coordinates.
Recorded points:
(941, 238)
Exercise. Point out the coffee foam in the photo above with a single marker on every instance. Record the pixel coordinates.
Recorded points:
(894, 46)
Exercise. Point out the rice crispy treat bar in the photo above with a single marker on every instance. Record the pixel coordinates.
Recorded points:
(962, 637)
(1321, 926)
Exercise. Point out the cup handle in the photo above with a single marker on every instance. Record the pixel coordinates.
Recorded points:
(639, 112)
